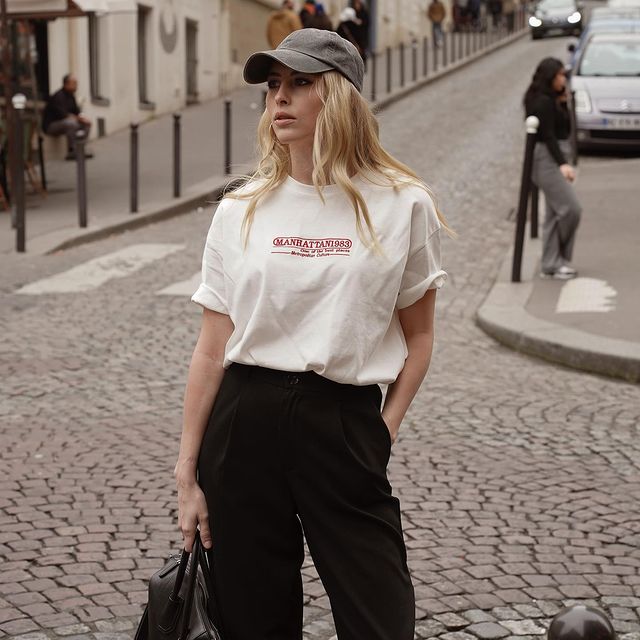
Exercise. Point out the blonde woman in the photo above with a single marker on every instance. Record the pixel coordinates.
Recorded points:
(319, 283)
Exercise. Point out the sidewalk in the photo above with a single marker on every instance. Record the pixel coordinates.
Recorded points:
(52, 222)
(590, 323)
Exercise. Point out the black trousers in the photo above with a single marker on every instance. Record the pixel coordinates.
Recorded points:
(289, 452)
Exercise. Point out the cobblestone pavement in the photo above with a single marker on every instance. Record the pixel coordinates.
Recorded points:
(519, 480)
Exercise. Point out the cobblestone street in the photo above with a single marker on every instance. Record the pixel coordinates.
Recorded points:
(519, 480)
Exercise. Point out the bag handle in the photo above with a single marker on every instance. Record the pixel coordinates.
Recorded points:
(193, 574)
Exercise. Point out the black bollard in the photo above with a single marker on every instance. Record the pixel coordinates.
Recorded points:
(18, 195)
(389, 70)
(43, 174)
(574, 129)
(401, 49)
(414, 60)
(425, 56)
(534, 210)
(227, 136)
(133, 169)
(467, 43)
(444, 49)
(532, 124)
(374, 75)
(581, 622)
(453, 46)
(81, 163)
(460, 43)
(176, 155)
(435, 55)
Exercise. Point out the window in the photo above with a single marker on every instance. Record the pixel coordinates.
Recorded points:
(98, 57)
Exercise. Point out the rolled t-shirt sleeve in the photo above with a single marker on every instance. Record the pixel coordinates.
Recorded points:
(423, 269)
(211, 293)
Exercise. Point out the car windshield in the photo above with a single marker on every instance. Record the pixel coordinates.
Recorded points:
(611, 59)
(546, 5)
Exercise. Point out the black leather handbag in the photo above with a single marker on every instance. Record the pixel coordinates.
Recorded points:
(180, 609)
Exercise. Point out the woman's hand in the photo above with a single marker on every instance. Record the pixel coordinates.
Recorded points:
(568, 172)
(392, 427)
(192, 511)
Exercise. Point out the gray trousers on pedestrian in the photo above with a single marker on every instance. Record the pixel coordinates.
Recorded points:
(563, 209)
(67, 127)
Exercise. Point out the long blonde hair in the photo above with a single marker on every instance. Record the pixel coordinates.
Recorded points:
(346, 142)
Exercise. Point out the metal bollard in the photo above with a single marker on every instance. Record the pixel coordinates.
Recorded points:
(401, 50)
(534, 210)
(414, 60)
(581, 622)
(425, 56)
(435, 55)
(453, 46)
(389, 54)
(43, 174)
(374, 75)
(133, 170)
(176, 155)
(574, 128)
(444, 49)
(81, 162)
(468, 43)
(227, 136)
(460, 44)
(19, 102)
(532, 124)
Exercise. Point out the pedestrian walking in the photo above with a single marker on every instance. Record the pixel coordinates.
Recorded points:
(361, 30)
(546, 98)
(307, 13)
(495, 9)
(319, 283)
(62, 116)
(347, 29)
(509, 12)
(436, 13)
(281, 23)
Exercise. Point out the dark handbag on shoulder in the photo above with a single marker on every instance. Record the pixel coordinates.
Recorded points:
(179, 608)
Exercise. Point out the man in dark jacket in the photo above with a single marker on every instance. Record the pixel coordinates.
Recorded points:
(62, 116)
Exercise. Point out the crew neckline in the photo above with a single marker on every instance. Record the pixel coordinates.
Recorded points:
(310, 189)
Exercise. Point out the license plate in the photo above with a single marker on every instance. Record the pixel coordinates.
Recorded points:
(556, 31)
(622, 123)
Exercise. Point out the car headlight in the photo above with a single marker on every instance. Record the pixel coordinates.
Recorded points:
(583, 101)
(534, 22)
(574, 17)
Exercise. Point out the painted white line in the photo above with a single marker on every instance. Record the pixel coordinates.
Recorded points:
(183, 288)
(586, 295)
(93, 273)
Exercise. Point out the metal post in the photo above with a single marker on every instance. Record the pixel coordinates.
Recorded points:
(227, 136)
(468, 42)
(176, 155)
(388, 59)
(534, 211)
(444, 48)
(574, 128)
(532, 124)
(460, 43)
(82, 177)
(19, 102)
(425, 57)
(401, 64)
(133, 169)
(43, 174)
(374, 75)
(435, 55)
(414, 60)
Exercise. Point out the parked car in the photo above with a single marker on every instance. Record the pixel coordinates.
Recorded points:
(606, 82)
(555, 17)
(606, 20)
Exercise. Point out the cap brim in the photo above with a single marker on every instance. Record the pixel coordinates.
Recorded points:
(257, 67)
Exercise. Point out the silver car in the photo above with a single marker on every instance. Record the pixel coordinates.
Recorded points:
(606, 81)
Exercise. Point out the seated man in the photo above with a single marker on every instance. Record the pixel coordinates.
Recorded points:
(62, 116)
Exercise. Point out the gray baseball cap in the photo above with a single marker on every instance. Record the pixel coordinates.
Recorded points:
(309, 51)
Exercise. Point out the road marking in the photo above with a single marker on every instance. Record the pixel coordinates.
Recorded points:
(586, 295)
(183, 288)
(93, 273)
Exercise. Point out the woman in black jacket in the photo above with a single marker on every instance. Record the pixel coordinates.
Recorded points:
(546, 98)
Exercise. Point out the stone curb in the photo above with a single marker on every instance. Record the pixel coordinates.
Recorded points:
(211, 189)
(503, 316)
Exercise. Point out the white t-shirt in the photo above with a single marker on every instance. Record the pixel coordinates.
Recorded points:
(306, 294)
